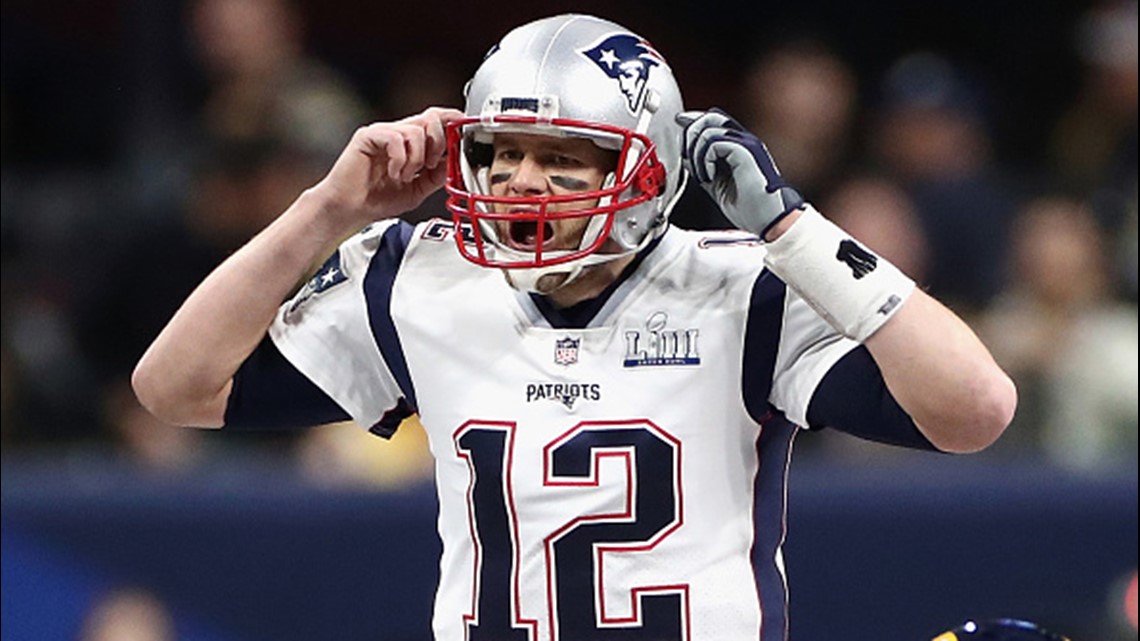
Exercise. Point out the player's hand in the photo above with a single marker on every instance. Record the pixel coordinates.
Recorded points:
(387, 168)
(734, 167)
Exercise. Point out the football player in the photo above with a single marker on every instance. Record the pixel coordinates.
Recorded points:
(611, 401)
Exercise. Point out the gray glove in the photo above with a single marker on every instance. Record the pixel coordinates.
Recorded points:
(734, 167)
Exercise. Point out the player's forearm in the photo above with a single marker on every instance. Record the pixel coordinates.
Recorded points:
(933, 364)
(942, 375)
(184, 377)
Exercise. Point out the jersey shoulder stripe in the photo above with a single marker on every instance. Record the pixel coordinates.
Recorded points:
(378, 281)
(762, 337)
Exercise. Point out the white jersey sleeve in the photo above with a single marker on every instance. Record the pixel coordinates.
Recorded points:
(328, 330)
(808, 347)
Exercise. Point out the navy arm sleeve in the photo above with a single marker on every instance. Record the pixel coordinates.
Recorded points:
(270, 393)
(853, 398)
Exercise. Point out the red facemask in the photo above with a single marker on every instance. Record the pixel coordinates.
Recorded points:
(638, 177)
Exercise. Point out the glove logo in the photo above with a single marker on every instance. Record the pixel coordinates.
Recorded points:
(861, 261)
(628, 60)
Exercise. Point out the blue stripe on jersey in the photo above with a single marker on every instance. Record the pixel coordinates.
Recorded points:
(378, 284)
(773, 452)
(761, 342)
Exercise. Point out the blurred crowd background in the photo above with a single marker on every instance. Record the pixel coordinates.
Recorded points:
(990, 153)
(987, 148)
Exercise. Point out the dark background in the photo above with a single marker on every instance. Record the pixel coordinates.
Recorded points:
(82, 73)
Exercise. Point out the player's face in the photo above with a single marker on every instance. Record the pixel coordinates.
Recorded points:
(534, 165)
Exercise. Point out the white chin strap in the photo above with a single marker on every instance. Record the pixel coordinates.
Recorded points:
(527, 278)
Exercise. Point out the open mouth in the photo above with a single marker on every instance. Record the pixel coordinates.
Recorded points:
(523, 234)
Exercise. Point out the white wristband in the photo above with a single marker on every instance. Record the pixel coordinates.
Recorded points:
(850, 287)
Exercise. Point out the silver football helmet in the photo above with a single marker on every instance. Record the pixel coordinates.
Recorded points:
(578, 76)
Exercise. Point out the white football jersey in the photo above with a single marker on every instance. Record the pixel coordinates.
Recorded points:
(620, 481)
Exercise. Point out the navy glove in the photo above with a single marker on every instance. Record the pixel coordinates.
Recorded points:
(734, 167)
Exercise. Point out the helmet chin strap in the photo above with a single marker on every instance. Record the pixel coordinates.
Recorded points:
(527, 278)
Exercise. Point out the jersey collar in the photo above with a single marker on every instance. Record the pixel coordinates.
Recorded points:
(583, 314)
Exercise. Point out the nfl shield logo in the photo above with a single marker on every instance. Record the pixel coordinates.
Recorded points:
(566, 351)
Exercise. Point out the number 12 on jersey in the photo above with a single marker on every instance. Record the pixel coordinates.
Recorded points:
(575, 552)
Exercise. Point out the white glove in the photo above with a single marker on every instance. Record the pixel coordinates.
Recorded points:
(735, 168)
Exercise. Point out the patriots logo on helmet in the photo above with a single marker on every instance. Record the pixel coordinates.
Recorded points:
(628, 60)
